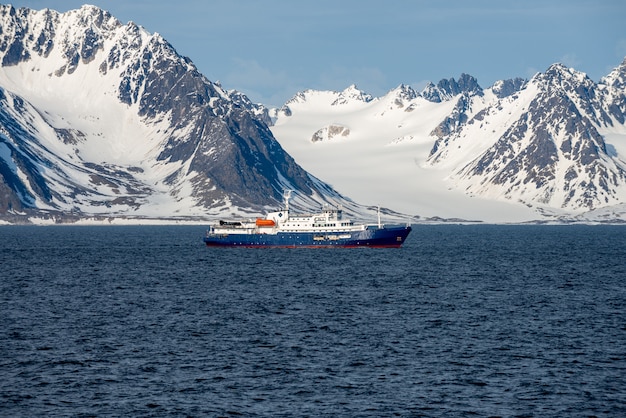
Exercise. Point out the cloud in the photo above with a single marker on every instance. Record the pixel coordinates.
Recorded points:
(570, 60)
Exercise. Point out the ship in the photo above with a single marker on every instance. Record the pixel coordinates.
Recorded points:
(325, 229)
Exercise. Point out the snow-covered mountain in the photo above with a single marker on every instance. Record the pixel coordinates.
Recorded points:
(549, 148)
(103, 119)
(100, 118)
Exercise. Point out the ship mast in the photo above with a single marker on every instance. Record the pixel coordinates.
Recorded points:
(287, 196)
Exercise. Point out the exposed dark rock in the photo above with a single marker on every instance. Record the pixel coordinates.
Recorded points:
(227, 151)
(506, 88)
(448, 88)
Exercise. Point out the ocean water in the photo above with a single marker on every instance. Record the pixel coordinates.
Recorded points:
(462, 321)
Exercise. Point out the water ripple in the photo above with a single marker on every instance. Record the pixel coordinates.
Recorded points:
(462, 321)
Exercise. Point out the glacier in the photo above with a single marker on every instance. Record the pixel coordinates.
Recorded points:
(433, 154)
(102, 121)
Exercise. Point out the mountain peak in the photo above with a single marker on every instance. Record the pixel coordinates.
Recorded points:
(448, 88)
(560, 73)
(534, 145)
(559, 69)
(139, 132)
(352, 93)
(505, 88)
(617, 77)
(89, 16)
(90, 8)
(405, 92)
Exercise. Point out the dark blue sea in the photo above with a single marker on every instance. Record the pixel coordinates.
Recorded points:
(475, 320)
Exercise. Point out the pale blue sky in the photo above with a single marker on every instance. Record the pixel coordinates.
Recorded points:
(272, 49)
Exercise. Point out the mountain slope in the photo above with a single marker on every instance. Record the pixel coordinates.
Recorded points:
(551, 148)
(104, 118)
(552, 153)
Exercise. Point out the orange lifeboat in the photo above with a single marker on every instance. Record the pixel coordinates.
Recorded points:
(264, 222)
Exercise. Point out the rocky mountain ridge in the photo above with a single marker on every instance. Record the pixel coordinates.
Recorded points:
(98, 118)
(555, 143)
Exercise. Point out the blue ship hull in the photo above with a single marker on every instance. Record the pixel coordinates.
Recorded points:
(386, 237)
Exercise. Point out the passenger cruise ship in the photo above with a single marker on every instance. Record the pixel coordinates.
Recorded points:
(325, 229)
